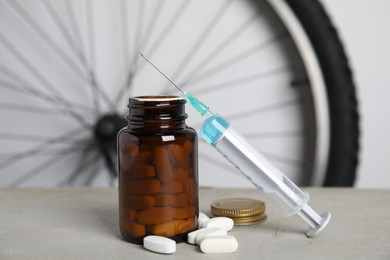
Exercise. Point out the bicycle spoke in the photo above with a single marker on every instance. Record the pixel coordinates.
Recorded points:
(223, 45)
(40, 77)
(137, 43)
(46, 37)
(285, 160)
(175, 19)
(262, 110)
(148, 32)
(69, 39)
(92, 47)
(30, 137)
(41, 147)
(226, 166)
(28, 109)
(267, 109)
(199, 42)
(22, 60)
(96, 88)
(45, 152)
(236, 59)
(75, 68)
(108, 159)
(138, 32)
(157, 43)
(152, 23)
(42, 166)
(301, 82)
(30, 90)
(277, 134)
(61, 26)
(112, 180)
(130, 70)
(93, 171)
(274, 158)
(83, 163)
(75, 28)
(124, 21)
(91, 33)
(240, 81)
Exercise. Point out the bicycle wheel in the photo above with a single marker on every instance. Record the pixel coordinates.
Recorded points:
(68, 68)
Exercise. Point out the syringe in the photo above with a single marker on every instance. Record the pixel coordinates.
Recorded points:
(254, 166)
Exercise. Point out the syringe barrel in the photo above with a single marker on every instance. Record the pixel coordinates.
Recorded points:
(253, 165)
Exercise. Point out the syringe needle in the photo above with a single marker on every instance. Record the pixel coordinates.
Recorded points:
(182, 91)
(196, 103)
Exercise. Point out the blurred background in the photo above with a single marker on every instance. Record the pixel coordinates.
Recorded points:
(70, 63)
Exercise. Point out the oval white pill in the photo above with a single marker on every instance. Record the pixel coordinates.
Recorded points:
(160, 244)
(219, 244)
(220, 222)
(206, 232)
(191, 237)
(202, 218)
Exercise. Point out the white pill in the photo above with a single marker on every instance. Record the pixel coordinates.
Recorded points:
(209, 232)
(219, 244)
(191, 237)
(160, 244)
(202, 218)
(220, 222)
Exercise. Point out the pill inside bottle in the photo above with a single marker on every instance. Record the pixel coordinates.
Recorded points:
(158, 170)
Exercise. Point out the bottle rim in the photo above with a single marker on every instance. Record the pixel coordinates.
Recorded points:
(154, 98)
(156, 110)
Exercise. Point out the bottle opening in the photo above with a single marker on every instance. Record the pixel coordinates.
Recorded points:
(163, 111)
(158, 98)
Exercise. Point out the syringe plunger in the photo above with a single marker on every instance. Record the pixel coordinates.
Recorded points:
(316, 222)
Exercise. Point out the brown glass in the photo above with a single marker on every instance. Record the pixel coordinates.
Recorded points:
(158, 170)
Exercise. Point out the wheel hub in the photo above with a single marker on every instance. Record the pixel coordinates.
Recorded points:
(107, 128)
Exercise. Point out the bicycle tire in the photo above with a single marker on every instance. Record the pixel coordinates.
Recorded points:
(344, 118)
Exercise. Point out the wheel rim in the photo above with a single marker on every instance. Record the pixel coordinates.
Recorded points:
(317, 84)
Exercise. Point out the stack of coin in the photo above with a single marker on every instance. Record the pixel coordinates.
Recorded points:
(243, 211)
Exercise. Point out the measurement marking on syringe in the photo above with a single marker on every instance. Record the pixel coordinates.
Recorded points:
(239, 170)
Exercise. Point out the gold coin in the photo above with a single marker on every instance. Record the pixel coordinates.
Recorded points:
(243, 211)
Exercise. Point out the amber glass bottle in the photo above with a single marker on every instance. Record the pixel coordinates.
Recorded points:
(158, 170)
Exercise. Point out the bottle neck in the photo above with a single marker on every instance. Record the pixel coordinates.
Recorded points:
(156, 113)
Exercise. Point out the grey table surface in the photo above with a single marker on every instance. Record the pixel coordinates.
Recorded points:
(82, 223)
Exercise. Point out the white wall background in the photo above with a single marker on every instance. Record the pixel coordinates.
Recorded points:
(364, 27)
